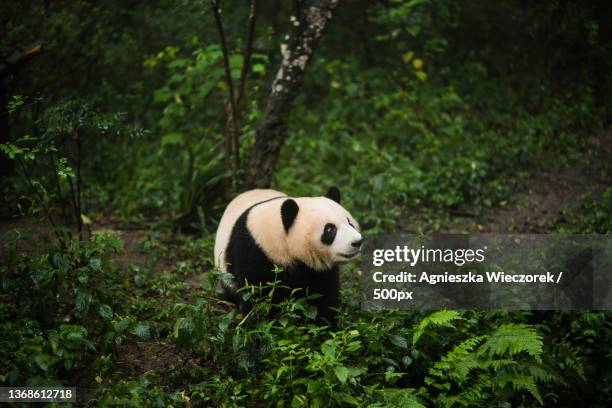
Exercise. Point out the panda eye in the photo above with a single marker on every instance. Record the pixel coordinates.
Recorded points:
(329, 233)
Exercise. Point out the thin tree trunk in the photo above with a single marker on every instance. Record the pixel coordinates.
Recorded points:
(231, 128)
(309, 26)
(232, 108)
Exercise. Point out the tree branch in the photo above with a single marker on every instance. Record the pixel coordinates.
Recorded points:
(231, 147)
(247, 53)
(309, 26)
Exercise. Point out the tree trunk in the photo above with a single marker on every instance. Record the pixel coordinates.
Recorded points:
(309, 25)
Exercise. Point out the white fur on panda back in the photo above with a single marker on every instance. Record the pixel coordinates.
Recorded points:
(232, 212)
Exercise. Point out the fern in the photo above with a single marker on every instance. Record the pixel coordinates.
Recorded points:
(498, 364)
(440, 318)
(482, 366)
(458, 363)
(571, 358)
(541, 375)
(513, 339)
(471, 396)
(401, 397)
(521, 383)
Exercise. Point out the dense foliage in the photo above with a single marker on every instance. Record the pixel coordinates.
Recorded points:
(418, 110)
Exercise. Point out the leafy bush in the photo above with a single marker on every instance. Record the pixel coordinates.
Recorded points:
(65, 306)
(288, 360)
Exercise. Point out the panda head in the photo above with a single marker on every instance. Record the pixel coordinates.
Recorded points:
(319, 231)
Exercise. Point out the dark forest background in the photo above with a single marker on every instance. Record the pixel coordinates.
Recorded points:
(126, 127)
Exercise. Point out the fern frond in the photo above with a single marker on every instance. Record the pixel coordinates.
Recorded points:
(401, 397)
(499, 363)
(521, 383)
(539, 374)
(571, 358)
(440, 318)
(512, 339)
(471, 396)
(458, 363)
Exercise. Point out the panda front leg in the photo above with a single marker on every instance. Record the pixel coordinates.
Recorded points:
(326, 306)
(245, 306)
(326, 284)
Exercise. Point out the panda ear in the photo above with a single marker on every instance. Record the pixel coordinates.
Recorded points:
(289, 210)
(333, 194)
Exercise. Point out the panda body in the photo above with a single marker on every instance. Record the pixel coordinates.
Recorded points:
(306, 236)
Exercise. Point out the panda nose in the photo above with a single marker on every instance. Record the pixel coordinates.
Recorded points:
(357, 244)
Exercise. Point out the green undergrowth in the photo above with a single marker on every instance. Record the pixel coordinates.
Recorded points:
(72, 312)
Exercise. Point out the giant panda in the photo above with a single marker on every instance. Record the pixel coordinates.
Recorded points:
(308, 237)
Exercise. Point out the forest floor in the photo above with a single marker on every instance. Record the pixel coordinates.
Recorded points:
(543, 202)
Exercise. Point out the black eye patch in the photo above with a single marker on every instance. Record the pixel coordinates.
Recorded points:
(329, 233)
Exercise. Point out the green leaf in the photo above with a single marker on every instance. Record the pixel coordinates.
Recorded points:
(299, 400)
(353, 346)
(399, 341)
(413, 30)
(95, 264)
(60, 262)
(259, 68)
(83, 300)
(347, 398)
(42, 361)
(10, 150)
(162, 95)
(142, 330)
(177, 63)
(520, 383)
(459, 362)
(401, 397)
(421, 75)
(328, 348)
(172, 139)
(440, 318)
(355, 371)
(105, 311)
(341, 373)
(122, 325)
(310, 312)
(512, 339)
(235, 62)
